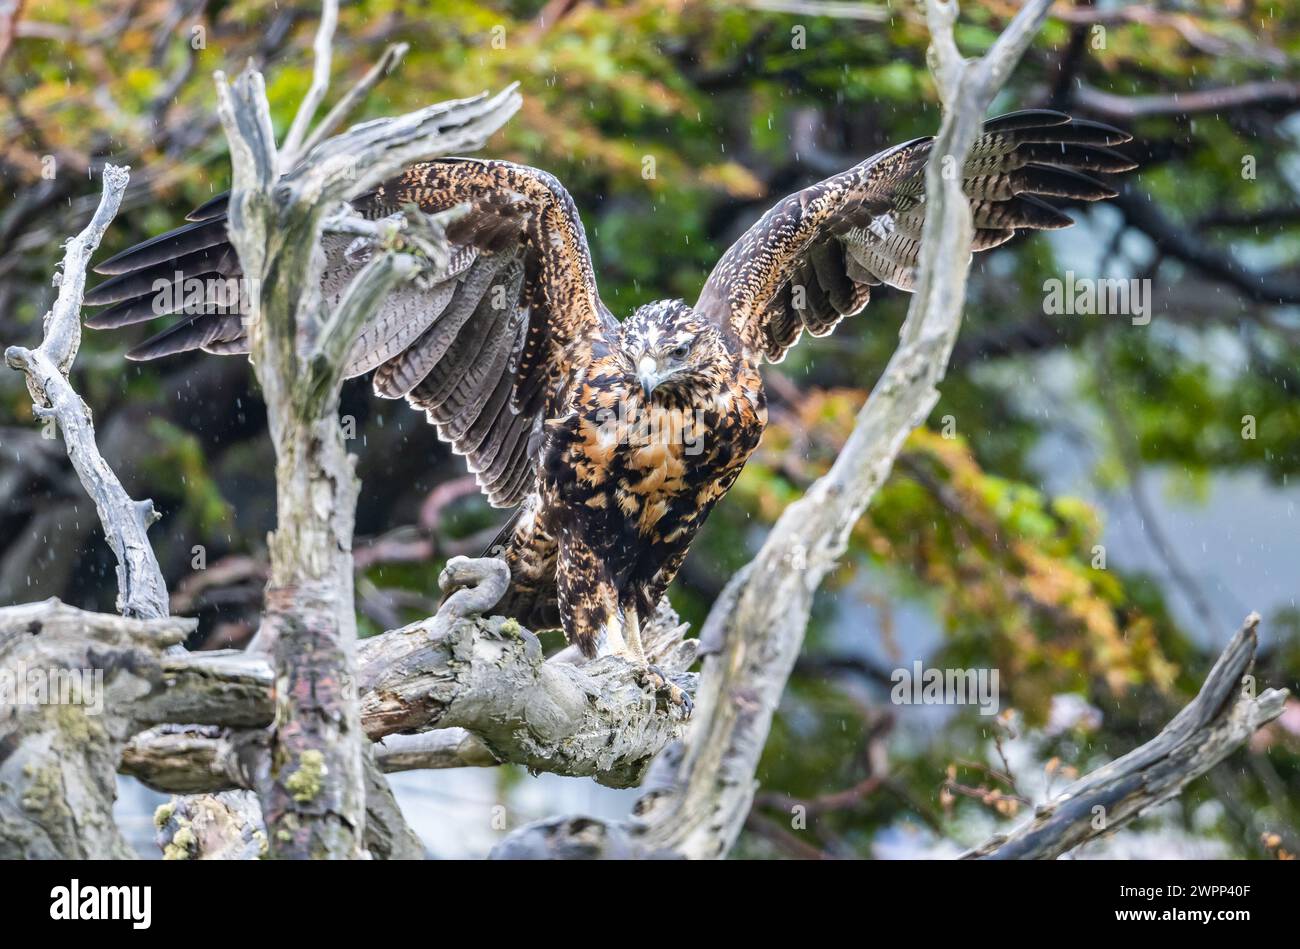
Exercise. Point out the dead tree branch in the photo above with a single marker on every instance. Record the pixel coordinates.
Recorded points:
(141, 590)
(322, 55)
(226, 826)
(1222, 717)
(278, 201)
(229, 826)
(77, 687)
(431, 751)
(482, 682)
(1280, 96)
(196, 723)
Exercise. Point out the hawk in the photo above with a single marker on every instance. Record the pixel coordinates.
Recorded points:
(613, 440)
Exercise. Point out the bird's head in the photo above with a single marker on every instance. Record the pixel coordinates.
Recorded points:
(674, 354)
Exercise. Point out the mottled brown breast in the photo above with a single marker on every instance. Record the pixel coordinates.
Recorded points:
(636, 480)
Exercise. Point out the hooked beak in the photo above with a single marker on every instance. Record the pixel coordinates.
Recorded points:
(647, 369)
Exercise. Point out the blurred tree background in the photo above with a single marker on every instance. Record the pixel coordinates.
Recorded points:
(1095, 503)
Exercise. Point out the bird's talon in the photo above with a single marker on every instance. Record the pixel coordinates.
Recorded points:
(654, 679)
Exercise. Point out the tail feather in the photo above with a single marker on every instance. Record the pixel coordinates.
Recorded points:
(530, 552)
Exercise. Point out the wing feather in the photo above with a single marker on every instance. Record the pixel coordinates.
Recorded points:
(812, 259)
(480, 352)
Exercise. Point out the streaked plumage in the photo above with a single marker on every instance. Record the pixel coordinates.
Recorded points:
(614, 439)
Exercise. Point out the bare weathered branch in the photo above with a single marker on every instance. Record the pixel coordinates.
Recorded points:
(1283, 96)
(322, 55)
(213, 767)
(483, 683)
(427, 751)
(489, 677)
(1222, 717)
(388, 835)
(141, 590)
(313, 800)
(226, 826)
(313, 793)
(343, 108)
(189, 759)
(76, 686)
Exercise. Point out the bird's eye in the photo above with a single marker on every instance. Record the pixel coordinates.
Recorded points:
(681, 352)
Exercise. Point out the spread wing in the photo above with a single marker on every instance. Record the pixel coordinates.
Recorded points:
(812, 259)
(479, 352)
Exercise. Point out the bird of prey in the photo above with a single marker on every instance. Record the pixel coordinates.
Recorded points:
(614, 440)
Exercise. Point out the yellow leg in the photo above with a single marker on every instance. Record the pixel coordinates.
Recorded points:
(632, 636)
(651, 676)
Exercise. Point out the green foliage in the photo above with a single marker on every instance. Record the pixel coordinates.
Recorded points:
(180, 462)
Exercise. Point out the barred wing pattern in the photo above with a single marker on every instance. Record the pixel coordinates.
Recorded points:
(812, 259)
(480, 352)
